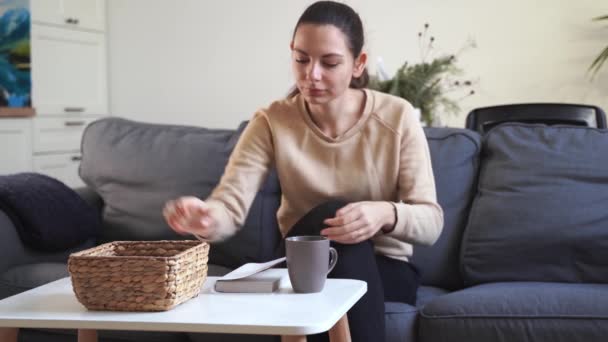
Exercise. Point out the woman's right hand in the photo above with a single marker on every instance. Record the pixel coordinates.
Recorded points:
(190, 215)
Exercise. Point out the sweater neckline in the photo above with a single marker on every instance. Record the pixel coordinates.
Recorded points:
(356, 128)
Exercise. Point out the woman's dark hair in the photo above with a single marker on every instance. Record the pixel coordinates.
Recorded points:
(344, 18)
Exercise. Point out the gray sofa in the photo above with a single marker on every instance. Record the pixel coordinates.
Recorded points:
(523, 255)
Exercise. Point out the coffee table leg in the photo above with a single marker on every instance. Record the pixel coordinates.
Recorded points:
(9, 334)
(85, 335)
(340, 332)
(293, 338)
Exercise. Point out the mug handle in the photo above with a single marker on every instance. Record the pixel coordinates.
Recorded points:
(333, 258)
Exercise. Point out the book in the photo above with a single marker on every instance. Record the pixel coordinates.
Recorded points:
(261, 282)
(251, 268)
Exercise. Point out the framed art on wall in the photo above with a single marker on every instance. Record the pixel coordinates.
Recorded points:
(15, 70)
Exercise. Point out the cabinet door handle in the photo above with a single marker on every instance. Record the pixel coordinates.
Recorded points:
(69, 21)
(75, 123)
(75, 21)
(73, 109)
(76, 158)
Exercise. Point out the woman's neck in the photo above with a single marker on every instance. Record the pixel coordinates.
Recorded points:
(338, 116)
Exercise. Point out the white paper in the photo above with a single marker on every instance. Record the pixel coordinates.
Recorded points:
(250, 269)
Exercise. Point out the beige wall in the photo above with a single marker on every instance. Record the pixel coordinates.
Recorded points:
(213, 63)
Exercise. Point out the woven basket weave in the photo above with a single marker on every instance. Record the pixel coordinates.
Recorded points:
(139, 275)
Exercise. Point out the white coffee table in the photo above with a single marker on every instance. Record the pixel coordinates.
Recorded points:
(284, 312)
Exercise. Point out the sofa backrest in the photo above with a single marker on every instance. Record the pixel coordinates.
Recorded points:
(136, 167)
(540, 210)
(455, 159)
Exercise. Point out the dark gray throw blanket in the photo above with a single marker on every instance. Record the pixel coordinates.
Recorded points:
(48, 215)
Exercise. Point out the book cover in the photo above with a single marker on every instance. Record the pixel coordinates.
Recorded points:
(262, 282)
(251, 268)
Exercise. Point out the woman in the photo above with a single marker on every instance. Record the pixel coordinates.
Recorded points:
(353, 165)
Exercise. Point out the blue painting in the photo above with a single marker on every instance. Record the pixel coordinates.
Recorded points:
(15, 75)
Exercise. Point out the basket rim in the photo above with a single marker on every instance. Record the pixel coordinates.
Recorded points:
(194, 243)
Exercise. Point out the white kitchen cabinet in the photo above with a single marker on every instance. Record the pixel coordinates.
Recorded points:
(15, 145)
(58, 134)
(62, 166)
(69, 89)
(74, 14)
(68, 71)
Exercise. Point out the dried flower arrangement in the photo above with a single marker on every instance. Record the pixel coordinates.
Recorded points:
(429, 85)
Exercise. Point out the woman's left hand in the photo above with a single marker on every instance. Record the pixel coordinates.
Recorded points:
(358, 221)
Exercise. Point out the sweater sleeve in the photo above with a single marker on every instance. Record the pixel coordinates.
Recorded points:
(247, 168)
(419, 216)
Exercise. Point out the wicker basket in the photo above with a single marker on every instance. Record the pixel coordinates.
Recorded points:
(139, 275)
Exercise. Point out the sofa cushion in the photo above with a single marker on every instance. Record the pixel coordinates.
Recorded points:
(540, 211)
(518, 311)
(454, 155)
(426, 294)
(136, 167)
(26, 277)
(400, 321)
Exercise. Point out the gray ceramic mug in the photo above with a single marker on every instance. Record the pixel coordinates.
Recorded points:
(309, 262)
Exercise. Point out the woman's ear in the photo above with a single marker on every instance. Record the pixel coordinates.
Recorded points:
(360, 64)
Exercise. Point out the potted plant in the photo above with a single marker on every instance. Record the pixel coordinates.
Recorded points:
(428, 85)
(601, 58)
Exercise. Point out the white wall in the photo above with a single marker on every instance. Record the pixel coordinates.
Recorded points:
(213, 63)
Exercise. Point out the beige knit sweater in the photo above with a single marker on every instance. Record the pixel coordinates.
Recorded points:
(384, 157)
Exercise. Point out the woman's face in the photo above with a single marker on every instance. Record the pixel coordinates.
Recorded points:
(322, 62)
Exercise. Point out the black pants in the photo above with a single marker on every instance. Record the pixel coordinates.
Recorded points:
(387, 279)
